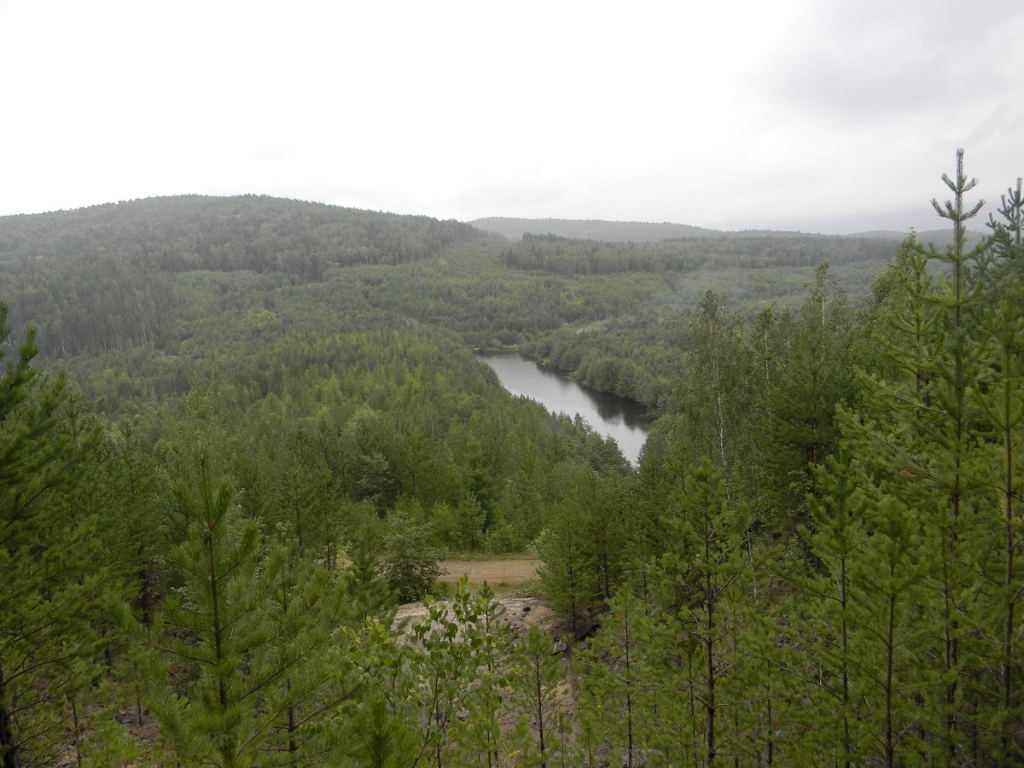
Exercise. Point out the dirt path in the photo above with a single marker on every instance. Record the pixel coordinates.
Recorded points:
(491, 571)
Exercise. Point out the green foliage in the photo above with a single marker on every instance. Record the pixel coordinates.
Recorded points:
(617, 678)
(570, 572)
(537, 684)
(48, 557)
(58, 261)
(430, 696)
(717, 398)
(751, 250)
(813, 376)
(233, 652)
(410, 565)
(705, 575)
(815, 563)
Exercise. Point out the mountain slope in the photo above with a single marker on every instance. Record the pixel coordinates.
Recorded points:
(106, 277)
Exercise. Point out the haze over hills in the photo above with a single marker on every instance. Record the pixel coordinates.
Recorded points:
(511, 228)
(646, 232)
(110, 277)
(590, 229)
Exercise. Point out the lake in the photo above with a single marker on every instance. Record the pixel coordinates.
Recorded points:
(611, 416)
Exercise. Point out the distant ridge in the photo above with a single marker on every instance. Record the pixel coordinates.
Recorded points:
(646, 232)
(937, 237)
(608, 231)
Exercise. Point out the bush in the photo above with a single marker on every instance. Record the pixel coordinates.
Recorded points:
(410, 564)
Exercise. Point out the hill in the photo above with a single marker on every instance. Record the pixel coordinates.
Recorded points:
(609, 231)
(649, 232)
(160, 271)
(227, 233)
(107, 277)
(940, 238)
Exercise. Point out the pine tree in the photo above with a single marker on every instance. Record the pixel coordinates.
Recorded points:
(537, 680)
(135, 526)
(569, 573)
(813, 376)
(304, 496)
(705, 581)
(761, 693)
(410, 565)
(717, 394)
(836, 541)
(48, 558)
(999, 390)
(247, 625)
(618, 679)
(888, 580)
(304, 674)
(917, 430)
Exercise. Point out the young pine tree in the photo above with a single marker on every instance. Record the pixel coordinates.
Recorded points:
(49, 559)
(569, 572)
(538, 691)
(813, 376)
(836, 540)
(706, 578)
(238, 654)
(917, 430)
(618, 679)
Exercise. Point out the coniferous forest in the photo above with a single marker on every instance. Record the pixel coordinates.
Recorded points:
(237, 433)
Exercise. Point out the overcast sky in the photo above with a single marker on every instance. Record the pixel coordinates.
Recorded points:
(823, 116)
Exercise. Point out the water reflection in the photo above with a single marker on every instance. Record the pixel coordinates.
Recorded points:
(611, 416)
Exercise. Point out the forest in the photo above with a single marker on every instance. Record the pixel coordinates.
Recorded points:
(237, 433)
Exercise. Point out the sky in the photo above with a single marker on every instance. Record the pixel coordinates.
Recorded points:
(791, 114)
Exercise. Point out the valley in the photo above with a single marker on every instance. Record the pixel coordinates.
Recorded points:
(231, 468)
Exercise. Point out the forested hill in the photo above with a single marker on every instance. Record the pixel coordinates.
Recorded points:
(940, 238)
(104, 277)
(114, 276)
(611, 231)
(272, 427)
(649, 232)
(552, 253)
(252, 232)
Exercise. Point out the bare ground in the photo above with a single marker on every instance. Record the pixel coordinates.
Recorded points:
(491, 571)
(520, 611)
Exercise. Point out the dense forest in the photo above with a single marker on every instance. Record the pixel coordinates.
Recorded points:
(237, 433)
(645, 232)
(612, 231)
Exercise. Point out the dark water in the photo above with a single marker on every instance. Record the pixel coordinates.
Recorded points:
(611, 416)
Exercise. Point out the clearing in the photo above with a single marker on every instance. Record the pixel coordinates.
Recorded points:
(521, 611)
(510, 571)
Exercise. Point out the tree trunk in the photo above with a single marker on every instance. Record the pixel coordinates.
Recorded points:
(9, 750)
